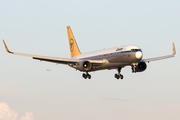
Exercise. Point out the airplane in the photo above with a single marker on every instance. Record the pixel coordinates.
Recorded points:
(113, 58)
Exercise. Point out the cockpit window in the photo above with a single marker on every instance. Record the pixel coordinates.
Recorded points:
(135, 50)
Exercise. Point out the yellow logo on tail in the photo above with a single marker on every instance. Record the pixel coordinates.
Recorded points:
(72, 43)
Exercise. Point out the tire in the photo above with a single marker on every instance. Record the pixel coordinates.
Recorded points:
(84, 75)
(116, 76)
(122, 76)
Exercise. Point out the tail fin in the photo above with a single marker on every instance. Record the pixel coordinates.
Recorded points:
(72, 43)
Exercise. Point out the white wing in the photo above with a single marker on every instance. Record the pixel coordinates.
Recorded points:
(163, 57)
(53, 59)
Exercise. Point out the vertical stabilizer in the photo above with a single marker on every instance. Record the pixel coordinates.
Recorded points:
(72, 43)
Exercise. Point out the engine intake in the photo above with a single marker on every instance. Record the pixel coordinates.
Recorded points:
(84, 66)
(140, 67)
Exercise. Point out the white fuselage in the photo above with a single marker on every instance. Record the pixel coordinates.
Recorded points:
(113, 57)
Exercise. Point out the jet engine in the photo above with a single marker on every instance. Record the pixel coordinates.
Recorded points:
(84, 66)
(140, 67)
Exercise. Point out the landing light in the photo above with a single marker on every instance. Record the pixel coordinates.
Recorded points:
(139, 55)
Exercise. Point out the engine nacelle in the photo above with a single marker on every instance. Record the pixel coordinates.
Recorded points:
(84, 66)
(140, 67)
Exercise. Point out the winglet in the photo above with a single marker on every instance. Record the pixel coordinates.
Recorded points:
(174, 51)
(6, 47)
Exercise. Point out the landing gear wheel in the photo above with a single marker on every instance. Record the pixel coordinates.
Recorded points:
(89, 76)
(117, 76)
(121, 76)
(85, 76)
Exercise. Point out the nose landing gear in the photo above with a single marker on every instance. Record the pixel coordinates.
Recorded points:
(117, 76)
(134, 65)
(86, 75)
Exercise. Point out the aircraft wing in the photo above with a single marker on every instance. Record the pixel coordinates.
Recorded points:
(163, 57)
(43, 58)
(53, 59)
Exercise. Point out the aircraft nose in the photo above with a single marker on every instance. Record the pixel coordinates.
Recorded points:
(139, 55)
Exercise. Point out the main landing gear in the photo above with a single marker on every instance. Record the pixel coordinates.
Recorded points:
(86, 75)
(134, 65)
(117, 76)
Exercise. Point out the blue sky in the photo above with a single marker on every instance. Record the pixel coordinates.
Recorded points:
(29, 92)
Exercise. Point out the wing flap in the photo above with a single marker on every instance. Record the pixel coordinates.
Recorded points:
(55, 60)
(50, 60)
